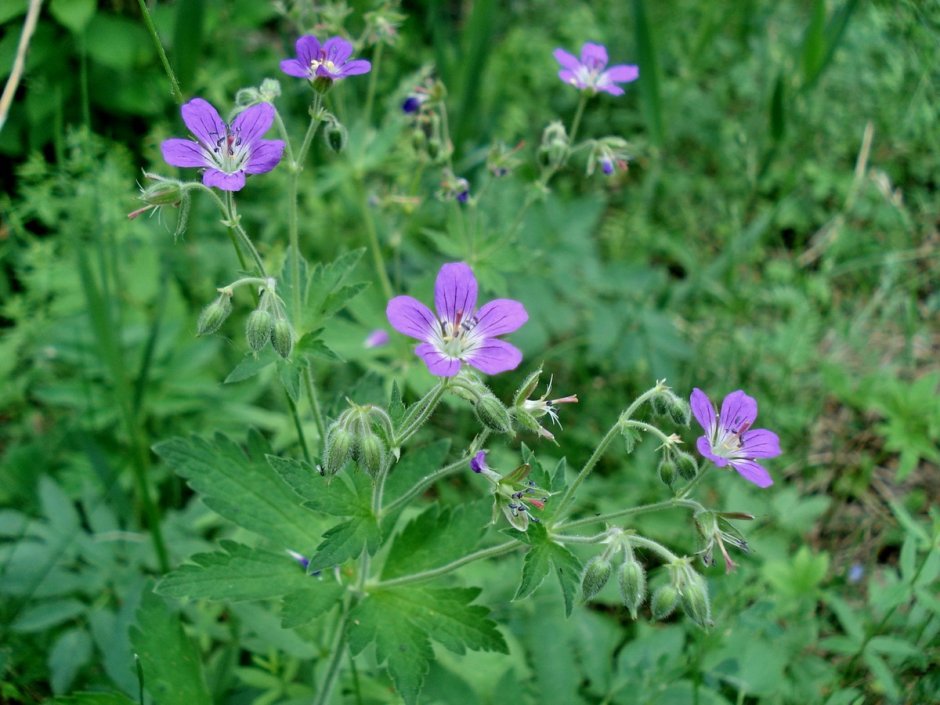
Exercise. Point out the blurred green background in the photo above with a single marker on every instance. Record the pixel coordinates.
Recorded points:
(776, 231)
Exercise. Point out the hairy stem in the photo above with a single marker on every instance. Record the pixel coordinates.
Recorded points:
(588, 467)
(174, 84)
(632, 511)
(424, 407)
(337, 651)
(424, 575)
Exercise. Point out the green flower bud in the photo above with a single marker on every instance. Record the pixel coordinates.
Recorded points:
(595, 576)
(667, 470)
(434, 148)
(680, 411)
(339, 446)
(165, 192)
(270, 89)
(322, 84)
(632, 585)
(686, 465)
(419, 140)
(660, 403)
(695, 602)
(664, 602)
(282, 337)
(258, 329)
(335, 136)
(371, 453)
(493, 414)
(214, 315)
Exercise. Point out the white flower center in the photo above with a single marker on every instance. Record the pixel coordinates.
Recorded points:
(230, 153)
(456, 339)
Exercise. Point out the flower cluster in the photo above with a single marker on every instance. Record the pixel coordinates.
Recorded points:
(515, 496)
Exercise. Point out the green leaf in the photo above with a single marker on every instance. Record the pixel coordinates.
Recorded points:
(43, 615)
(436, 537)
(778, 122)
(414, 465)
(403, 620)
(73, 14)
(327, 291)
(814, 42)
(71, 651)
(543, 555)
(883, 674)
(237, 573)
(95, 699)
(396, 407)
(304, 606)
(892, 646)
(850, 621)
(289, 372)
(251, 365)
(169, 660)
(310, 344)
(648, 83)
(243, 488)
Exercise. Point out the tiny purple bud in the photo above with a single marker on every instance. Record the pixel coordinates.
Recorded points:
(376, 338)
(607, 165)
(300, 558)
(856, 573)
(478, 462)
(412, 104)
(463, 196)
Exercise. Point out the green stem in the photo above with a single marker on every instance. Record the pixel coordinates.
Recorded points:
(491, 552)
(373, 241)
(431, 478)
(373, 77)
(174, 84)
(233, 224)
(664, 552)
(649, 428)
(684, 492)
(628, 414)
(588, 467)
(631, 511)
(424, 408)
(300, 429)
(597, 538)
(314, 403)
(337, 650)
(576, 123)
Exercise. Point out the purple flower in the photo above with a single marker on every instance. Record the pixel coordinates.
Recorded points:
(227, 152)
(478, 462)
(607, 165)
(329, 61)
(588, 73)
(376, 338)
(459, 333)
(729, 438)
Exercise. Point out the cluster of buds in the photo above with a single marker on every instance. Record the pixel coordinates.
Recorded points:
(715, 529)
(514, 495)
(267, 92)
(631, 576)
(268, 322)
(526, 411)
(501, 160)
(424, 106)
(666, 403)
(686, 587)
(360, 433)
(554, 147)
(382, 24)
(490, 411)
(453, 188)
(610, 154)
(675, 463)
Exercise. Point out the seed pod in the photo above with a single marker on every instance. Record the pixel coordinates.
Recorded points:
(632, 585)
(493, 414)
(282, 337)
(695, 602)
(667, 470)
(686, 465)
(527, 388)
(664, 601)
(371, 453)
(595, 576)
(214, 315)
(258, 329)
(339, 446)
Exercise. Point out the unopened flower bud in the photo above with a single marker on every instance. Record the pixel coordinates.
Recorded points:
(695, 602)
(686, 465)
(322, 84)
(339, 446)
(493, 414)
(667, 470)
(419, 140)
(664, 602)
(270, 89)
(258, 329)
(165, 192)
(282, 337)
(595, 576)
(632, 578)
(554, 145)
(434, 147)
(214, 315)
(335, 135)
(371, 453)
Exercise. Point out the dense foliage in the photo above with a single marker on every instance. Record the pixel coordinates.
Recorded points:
(769, 224)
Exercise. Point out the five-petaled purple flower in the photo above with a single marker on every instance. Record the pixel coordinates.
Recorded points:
(459, 333)
(588, 74)
(329, 60)
(729, 438)
(227, 152)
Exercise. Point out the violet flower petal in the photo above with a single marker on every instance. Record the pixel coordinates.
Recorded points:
(292, 67)
(455, 291)
(568, 61)
(703, 409)
(500, 316)
(738, 411)
(438, 364)
(356, 67)
(594, 55)
(337, 50)
(759, 443)
(179, 152)
(223, 181)
(308, 50)
(705, 448)
(753, 472)
(610, 88)
(265, 155)
(409, 316)
(495, 356)
(570, 77)
(623, 73)
(478, 461)
(253, 122)
(203, 121)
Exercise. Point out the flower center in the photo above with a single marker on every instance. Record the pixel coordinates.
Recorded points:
(325, 63)
(230, 153)
(456, 338)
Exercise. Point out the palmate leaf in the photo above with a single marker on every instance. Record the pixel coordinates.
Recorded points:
(244, 489)
(402, 621)
(437, 537)
(238, 572)
(543, 555)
